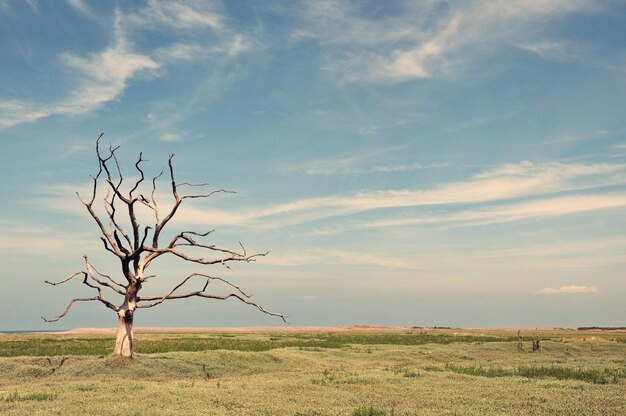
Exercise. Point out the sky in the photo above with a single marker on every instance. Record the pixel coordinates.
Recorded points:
(419, 163)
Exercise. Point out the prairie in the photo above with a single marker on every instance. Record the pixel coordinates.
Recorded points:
(408, 371)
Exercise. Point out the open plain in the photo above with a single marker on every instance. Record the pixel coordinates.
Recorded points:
(322, 371)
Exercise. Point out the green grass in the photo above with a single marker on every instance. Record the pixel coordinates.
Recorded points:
(315, 374)
(369, 411)
(57, 346)
(480, 371)
(590, 375)
(17, 397)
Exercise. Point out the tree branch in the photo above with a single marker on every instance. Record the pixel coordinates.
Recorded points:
(130, 194)
(60, 282)
(99, 298)
(234, 256)
(154, 203)
(117, 288)
(67, 308)
(110, 210)
(208, 278)
(133, 250)
(207, 195)
(241, 295)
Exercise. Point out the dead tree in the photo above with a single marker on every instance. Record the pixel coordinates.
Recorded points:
(138, 249)
(536, 341)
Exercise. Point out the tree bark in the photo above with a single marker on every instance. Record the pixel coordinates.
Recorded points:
(124, 341)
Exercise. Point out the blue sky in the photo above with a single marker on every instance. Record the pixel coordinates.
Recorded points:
(405, 163)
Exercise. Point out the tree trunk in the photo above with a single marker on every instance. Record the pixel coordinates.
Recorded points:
(124, 341)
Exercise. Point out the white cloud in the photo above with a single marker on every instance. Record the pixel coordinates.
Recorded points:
(319, 256)
(171, 137)
(210, 217)
(342, 164)
(306, 297)
(545, 49)
(16, 112)
(29, 239)
(507, 182)
(568, 289)
(356, 162)
(189, 15)
(80, 6)
(543, 208)
(102, 77)
(106, 75)
(500, 184)
(234, 45)
(426, 39)
(181, 52)
(346, 168)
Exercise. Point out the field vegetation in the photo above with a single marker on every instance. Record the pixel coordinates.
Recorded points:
(409, 372)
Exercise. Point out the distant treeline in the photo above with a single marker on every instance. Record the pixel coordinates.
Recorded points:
(602, 328)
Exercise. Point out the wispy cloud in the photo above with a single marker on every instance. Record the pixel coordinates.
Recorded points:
(29, 239)
(178, 15)
(557, 259)
(502, 185)
(543, 208)
(106, 75)
(319, 256)
(357, 162)
(347, 166)
(568, 289)
(80, 6)
(16, 112)
(548, 49)
(425, 39)
(102, 77)
(181, 52)
(171, 137)
(506, 182)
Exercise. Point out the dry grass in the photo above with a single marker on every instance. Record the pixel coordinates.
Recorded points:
(468, 377)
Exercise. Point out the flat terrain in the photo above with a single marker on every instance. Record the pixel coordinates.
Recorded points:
(321, 371)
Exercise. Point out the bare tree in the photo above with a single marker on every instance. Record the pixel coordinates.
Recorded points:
(138, 249)
(536, 341)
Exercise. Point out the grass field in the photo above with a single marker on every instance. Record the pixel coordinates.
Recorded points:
(418, 372)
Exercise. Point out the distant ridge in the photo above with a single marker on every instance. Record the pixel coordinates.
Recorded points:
(602, 328)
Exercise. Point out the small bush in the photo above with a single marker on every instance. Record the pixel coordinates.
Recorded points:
(432, 368)
(596, 376)
(480, 371)
(369, 411)
(38, 397)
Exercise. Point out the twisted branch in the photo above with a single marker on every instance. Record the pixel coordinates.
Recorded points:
(240, 295)
(136, 254)
(99, 298)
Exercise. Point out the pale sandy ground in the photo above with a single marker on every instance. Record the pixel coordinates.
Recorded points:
(112, 331)
(242, 329)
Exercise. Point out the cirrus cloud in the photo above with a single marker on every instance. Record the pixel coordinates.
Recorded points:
(568, 289)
